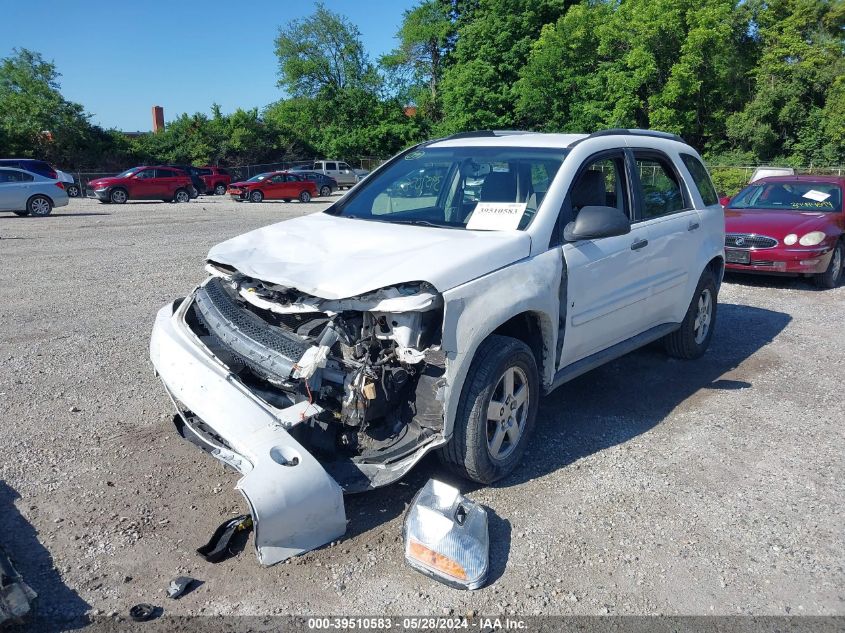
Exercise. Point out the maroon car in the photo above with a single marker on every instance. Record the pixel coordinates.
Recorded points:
(791, 225)
(142, 183)
(274, 185)
(216, 179)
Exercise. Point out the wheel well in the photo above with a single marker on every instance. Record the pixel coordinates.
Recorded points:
(717, 266)
(39, 195)
(526, 328)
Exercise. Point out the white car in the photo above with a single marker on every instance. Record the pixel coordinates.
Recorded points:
(430, 309)
(343, 174)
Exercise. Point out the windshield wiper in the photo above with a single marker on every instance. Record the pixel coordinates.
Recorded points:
(421, 223)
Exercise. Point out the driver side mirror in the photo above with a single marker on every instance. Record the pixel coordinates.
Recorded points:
(596, 222)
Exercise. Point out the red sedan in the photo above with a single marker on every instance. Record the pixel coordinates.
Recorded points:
(274, 185)
(792, 225)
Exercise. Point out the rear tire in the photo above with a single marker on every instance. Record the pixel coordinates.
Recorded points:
(304, 197)
(830, 278)
(72, 191)
(219, 189)
(693, 337)
(118, 196)
(496, 414)
(325, 191)
(181, 195)
(39, 206)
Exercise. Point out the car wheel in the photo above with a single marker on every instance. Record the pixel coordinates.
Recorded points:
(496, 413)
(220, 190)
(72, 191)
(693, 337)
(256, 196)
(325, 191)
(118, 196)
(39, 206)
(830, 277)
(305, 197)
(182, 196)
(23, 214)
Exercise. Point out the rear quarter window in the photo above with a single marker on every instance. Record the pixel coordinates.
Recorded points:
(701, 179)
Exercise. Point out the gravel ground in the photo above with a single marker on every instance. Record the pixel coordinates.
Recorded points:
(652, 486)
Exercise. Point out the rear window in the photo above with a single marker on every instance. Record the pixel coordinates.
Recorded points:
(701, 178)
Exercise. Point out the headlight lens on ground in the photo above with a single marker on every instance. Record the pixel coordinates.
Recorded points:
(812, 238)
(446, 536)
(790, 239)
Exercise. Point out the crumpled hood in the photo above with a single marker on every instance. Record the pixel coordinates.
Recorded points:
(776, 224)
(336, 257)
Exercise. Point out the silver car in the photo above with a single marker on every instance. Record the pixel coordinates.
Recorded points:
(27, 193)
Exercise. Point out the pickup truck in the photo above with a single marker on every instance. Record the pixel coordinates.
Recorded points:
(430, 309)
(340, 171)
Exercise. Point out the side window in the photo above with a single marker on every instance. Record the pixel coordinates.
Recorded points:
(701, 178)
(661, 190)
(7, 175)
(331, 166)
(146, 173)
(601, 184)
(164, 173)
(277, 178)
(292, 178)
(343, 166)
(25, 177)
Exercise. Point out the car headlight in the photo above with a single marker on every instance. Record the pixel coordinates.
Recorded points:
(812, 238)
(790, 239)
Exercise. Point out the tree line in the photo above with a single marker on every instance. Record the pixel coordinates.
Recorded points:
(744, 81)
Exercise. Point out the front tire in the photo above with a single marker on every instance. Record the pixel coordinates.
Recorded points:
(830, 278)
(305, 197)
(39, 206)
(220, 190)
(693, 337)
(118, 196)
(256, 196)
(325, 191)
(72, 191)
(496, 413)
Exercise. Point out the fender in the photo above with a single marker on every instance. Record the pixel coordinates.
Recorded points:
(474, 310)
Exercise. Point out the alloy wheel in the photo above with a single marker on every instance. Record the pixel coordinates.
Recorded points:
(701, 326)
(507, 413)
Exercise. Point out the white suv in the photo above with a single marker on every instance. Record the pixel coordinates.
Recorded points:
(431, 308)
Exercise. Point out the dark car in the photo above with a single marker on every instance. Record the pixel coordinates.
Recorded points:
(326, 185)
(196, 180)
(142, 183)
(40, 167)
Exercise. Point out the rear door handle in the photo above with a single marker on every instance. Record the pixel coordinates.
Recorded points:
(692, 226)
(639, 244)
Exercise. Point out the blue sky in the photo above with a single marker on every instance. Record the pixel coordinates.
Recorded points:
(119, 58)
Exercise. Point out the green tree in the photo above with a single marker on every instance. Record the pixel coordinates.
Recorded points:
(322, 53)
(424, 39)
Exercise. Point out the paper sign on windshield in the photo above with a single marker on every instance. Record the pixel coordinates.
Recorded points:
(496, 216)
(818, 196)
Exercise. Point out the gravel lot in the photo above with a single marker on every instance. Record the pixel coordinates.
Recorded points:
(652, 486)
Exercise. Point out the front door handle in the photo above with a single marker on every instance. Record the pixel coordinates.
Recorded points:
(692, 226)
(639, 244)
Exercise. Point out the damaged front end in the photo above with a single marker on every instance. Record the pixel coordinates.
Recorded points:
(308, 398)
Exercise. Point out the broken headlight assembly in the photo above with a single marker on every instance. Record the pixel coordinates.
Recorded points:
(446, 537)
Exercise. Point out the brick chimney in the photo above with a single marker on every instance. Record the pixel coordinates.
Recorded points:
(158, 119)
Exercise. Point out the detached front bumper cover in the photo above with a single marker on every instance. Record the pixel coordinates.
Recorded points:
(295, 504)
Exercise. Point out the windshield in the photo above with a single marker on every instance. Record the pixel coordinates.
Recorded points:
(260, 177)
(477, 188)
(128, 173)
(790, 196)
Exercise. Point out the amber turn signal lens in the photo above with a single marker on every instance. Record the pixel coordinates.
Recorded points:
(436, 561)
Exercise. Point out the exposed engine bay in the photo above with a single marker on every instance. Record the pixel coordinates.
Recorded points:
(370, 368)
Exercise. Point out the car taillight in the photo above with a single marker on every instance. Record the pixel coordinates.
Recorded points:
(60, 185)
